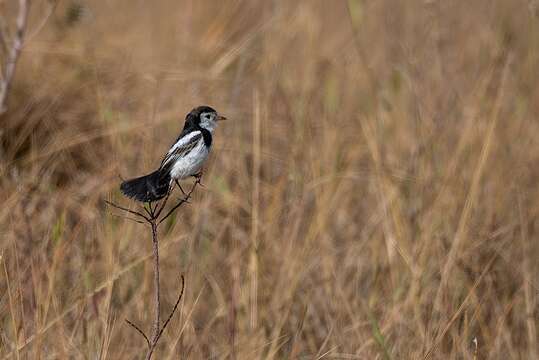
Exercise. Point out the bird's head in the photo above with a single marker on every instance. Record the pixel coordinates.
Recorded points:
(204, 117)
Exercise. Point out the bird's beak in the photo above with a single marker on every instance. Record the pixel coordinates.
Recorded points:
(220, 118)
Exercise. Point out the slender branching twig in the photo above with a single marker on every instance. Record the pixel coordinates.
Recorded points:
(168, 319)
(153, 217)
(157, 290)
(140, 332)
(14, 52)
(159, 209)
(11, 48)
(181, 202)
(173, 309)
(128, 210)
(130, 218)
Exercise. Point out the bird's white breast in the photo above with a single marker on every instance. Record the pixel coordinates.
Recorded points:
(191, 163)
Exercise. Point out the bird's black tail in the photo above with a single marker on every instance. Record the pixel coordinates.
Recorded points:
(151, 187)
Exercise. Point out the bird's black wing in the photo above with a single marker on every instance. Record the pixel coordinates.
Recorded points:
(181, 148)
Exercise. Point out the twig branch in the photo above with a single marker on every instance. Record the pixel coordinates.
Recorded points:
(128, 210)
(14, 53)
(140, 332)
(152, 211)
(147, 211)
(157, 292)
(181, 202)
(154, 341)
(3, 36)
(129, 218)
(160, 209)
(173, 310)
(154, 219)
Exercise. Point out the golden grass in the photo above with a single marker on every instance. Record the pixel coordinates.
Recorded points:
(373, 197)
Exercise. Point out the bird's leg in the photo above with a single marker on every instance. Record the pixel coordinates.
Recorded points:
(177, 183)
(198, 177)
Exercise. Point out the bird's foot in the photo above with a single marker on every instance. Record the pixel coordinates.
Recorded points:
(198, 178)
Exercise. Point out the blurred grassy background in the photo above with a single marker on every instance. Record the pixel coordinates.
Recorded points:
(374, 195)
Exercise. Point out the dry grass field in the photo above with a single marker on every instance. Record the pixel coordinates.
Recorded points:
(373, 196)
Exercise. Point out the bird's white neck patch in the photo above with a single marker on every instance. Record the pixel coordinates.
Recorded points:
(208, 121)
(210, 125)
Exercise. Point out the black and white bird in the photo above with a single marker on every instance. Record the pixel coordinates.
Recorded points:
(184, 159)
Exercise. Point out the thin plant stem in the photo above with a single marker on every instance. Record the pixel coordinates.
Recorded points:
(157, 292)
(154, 219)
(14, 53)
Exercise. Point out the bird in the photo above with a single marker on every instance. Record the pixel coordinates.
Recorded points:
(184, 159)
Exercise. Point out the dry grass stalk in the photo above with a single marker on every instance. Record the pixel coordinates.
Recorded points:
(8, 69)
